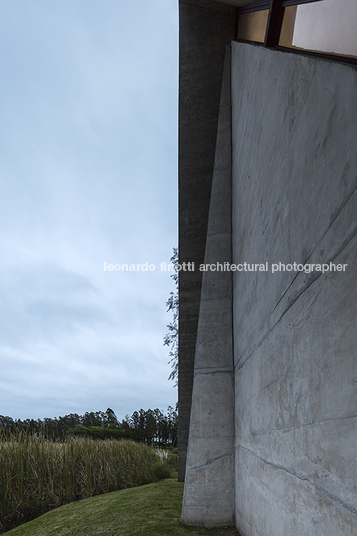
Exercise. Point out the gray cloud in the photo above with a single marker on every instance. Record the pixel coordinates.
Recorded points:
(88, 175)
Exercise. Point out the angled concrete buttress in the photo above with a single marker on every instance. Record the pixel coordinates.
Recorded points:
(206, 28)
(209, 481)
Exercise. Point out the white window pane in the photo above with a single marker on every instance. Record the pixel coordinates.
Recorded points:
(327, 26)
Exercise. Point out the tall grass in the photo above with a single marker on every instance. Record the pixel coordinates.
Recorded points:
(37, 475)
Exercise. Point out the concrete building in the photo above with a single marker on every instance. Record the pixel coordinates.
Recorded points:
(268, 326)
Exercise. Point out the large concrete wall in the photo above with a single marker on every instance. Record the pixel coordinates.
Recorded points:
(209, 483)
(205, 29)
(295, 334)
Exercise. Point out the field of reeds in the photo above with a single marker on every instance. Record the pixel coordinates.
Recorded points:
(37, 475)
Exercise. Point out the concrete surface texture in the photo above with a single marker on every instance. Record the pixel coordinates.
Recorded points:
(209, 482)
(275, 371)
(205, 30)
(294, 125)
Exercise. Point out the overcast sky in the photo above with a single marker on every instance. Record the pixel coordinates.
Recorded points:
(328, 26)
(88, 167)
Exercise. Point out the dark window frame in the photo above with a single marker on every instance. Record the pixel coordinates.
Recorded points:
(274, 25)
(266, 4)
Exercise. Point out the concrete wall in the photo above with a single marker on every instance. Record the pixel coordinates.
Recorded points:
(269, 360)
(205, 29)
(294, 197)
(209, 482)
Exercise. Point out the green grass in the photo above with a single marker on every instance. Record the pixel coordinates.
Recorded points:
(37, 475)
(149, 510)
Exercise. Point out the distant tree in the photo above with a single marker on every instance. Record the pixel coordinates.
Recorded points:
(111, 420)
(7, 423)
(93, 419)
(150, 433)
(171, 338)
(125, 423)
(150, 426)
(172, 423)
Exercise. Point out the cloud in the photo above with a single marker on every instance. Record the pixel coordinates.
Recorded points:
(88, 166)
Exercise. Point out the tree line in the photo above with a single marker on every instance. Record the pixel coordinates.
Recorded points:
(151, 426)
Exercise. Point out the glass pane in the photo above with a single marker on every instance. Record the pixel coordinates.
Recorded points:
(329, 26)
(252, 26)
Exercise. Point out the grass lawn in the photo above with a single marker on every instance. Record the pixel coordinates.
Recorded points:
(150, 510)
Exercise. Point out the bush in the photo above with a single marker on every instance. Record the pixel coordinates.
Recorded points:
(98, 432)
(37, 475)
(172, 461)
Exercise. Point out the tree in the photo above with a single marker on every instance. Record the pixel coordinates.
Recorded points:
(110, 419)
(171, 338)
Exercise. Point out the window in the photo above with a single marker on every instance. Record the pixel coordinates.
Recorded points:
(316, 27)
(252, 26)
(329, 26)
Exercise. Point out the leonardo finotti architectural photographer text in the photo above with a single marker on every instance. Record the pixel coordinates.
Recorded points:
(227, 267)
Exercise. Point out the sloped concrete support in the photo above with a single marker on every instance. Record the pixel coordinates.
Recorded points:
(206, 28)
(209, 482)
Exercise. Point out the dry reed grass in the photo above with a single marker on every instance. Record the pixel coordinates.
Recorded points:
(37, 475)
